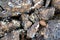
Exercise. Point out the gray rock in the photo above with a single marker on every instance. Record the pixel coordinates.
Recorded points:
(32, 31)
(8, 26)
(52, 31)
(14, 35)
(21, 5)
(37, 4)
(46, 13)
(24, 17)
(26, 24)
(25, 21)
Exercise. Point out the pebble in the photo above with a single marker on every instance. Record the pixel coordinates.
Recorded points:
(43, 23)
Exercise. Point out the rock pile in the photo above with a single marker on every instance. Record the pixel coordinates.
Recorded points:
(29, 19)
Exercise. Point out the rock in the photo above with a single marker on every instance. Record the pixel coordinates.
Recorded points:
(46, 13)
(32, 31)
(52, 32)
(25, 21)
(43, 23)
(35, 1)
(4, 26)
(37, 4)
(56, 4)
(13, 25)
(3, 3)
(16, 23)
(21, 5)
(24, 17)
(27, 24)
(7, 13)
(29, 20)
(15, 35)
(1, 34)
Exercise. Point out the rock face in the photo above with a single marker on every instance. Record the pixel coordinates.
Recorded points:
(52, 32)
(25, 21)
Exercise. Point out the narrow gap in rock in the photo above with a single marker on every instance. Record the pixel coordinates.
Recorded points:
(31, 11)
(20, 37)
(50, 4)
(15, 17)
(1, 19)
(2, 9)
(44, 2)
(32, 2)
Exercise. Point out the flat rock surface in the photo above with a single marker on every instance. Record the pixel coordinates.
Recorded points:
(52, 32)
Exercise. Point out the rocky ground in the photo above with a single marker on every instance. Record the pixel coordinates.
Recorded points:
(29, 19)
